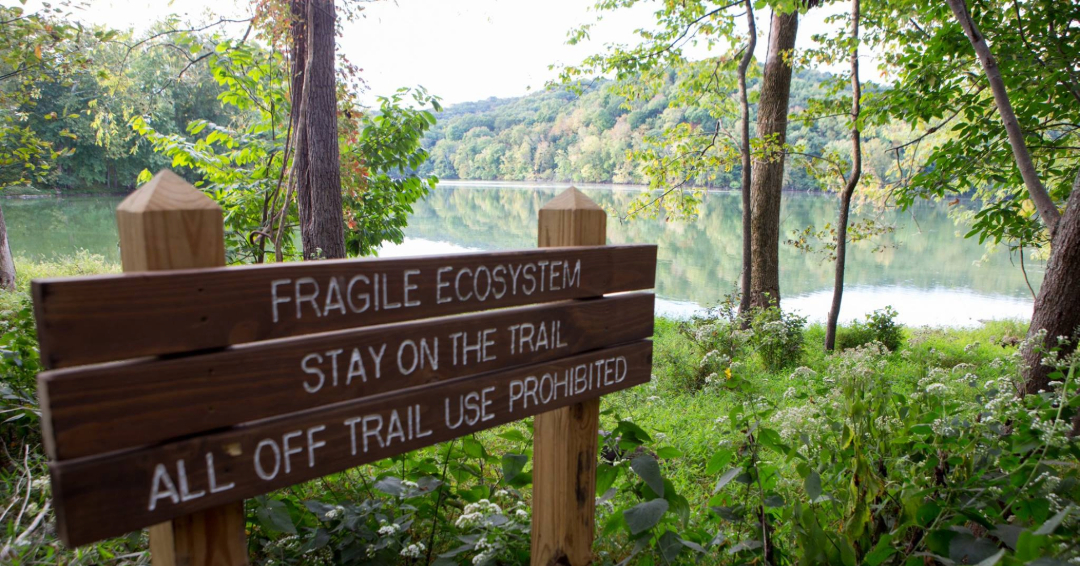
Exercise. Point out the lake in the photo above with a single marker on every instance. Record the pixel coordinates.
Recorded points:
(924, 268)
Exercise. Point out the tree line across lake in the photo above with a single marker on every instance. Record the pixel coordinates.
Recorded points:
(587, 133)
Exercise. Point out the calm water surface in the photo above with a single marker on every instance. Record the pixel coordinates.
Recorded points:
(924, 269)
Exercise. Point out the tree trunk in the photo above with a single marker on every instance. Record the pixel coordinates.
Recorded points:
(768, 169)
(1057, 310)
(1043, 203)
(744, 149)
(1057, 306)
(7, 265)
(849, 188)
(317, 173)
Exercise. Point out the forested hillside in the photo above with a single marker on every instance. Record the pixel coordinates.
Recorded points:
(558, 135)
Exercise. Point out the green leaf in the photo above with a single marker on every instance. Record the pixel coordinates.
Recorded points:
(812, 484)
(472, 448)
(645, 516)
(670, 546)
(726, 479)
(669, 452)
(646, 467)
(512, 465)
(993, 559)
(605, 477)
(274, 516)
(1054, 522)
(966, 549)
(718, 461)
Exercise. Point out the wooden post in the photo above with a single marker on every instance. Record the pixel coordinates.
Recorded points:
(169, 224)
(565, 440)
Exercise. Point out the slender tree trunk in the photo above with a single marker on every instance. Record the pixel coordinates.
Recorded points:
(1043, 203)
(849, 187)
(298, 10)
(7, 265)
(747, 174)
(317, 173)
(1057, 307)
(768, 169)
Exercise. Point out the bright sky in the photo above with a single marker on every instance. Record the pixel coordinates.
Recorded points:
(461, 50)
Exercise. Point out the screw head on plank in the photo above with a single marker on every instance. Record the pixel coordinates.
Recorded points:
(169, 224)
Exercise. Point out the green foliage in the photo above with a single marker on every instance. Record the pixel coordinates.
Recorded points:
(728, 345)
(880, 326)
(959, 144)
(563, 134)
(777, 337)
(381, 163)
(244, 164)
(39, 50)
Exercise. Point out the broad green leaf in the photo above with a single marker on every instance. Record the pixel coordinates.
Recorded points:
(645, 516)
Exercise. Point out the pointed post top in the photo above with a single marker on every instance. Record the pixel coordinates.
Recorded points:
(167, 191)
(572, 219)
(571, 199)
(169, 224)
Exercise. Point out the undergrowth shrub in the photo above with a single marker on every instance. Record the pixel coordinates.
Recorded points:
(880, 326)
(777, 337)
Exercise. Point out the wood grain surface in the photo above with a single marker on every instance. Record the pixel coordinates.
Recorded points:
(100, 408)
(104, 496)
(104, 318)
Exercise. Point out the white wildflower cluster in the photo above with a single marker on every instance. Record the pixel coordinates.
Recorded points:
(937, 389)
(791, 393)
(802, 372)
(335, 513)
(653, 399)
(858, 365)
(920, 335)
(722, 421)
(714, 358)
(475, 513)
(285, 544)
(943, 427)
(906, 354)
(521, 514)
(796, 419)
(40, 484)
(414, 550)
(489, 548)
(971, 348)
(963, 367)
(388, 529)
(713, 379)
(889, 424)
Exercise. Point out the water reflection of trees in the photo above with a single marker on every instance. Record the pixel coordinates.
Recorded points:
(700, 260)
(47, 228)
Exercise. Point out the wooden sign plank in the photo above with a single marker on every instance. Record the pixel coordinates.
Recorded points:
(112, 317)
(101, 408)
(105, 496)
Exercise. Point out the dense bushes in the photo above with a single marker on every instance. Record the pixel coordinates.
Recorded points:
(880, 326)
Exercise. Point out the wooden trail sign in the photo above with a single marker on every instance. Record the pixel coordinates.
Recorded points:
(273, 375)
(105, 407)
(112, 317)
(111, 495)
